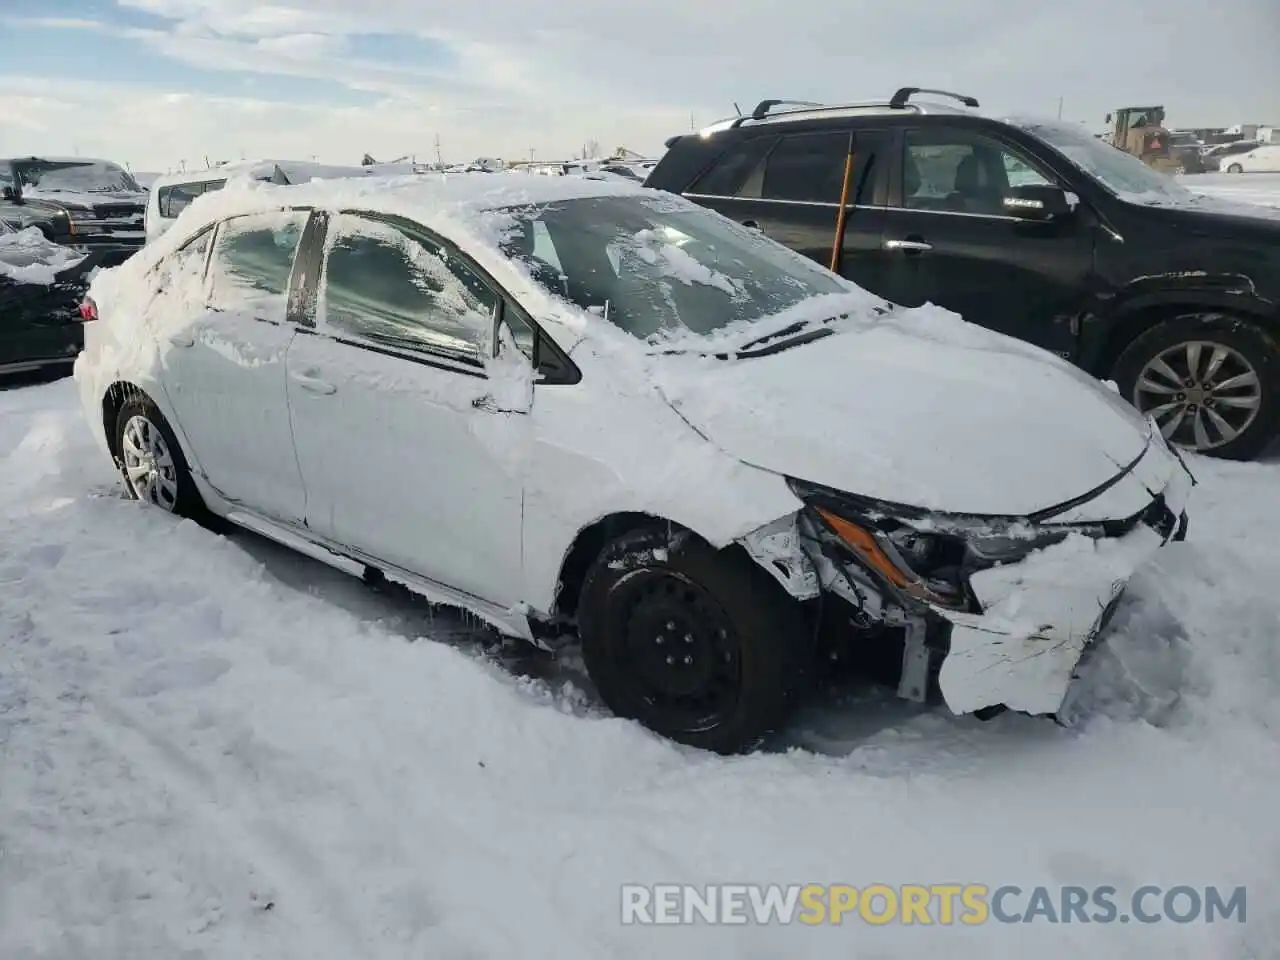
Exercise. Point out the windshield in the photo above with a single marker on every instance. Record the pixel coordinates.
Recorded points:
(1120, 172)
(656, 266)
(80, 176)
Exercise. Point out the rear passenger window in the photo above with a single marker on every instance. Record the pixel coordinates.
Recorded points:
(173, 200)
(810, 168)
(729, 176)
(253, 257)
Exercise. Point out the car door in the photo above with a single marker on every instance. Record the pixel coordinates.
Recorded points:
(407, 448)
(790, 187)
(953, 245)
(223, 365)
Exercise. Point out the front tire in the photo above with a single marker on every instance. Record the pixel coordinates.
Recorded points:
(699, 645)
(1211, 381)
(151, 461)
(1235, 168)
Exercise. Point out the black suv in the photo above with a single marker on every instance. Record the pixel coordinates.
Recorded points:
(1036, 229)
(78, 202)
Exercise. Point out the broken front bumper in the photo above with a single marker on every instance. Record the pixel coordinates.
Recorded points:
(1016, 635)
(1038, 616)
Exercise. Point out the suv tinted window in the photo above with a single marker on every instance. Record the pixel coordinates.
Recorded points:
(388, 288)
(253, 256)
(956, 171)
(808, 167)
(729, 174)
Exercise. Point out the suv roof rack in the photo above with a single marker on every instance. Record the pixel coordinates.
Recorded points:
(900, 98)
(764, 110)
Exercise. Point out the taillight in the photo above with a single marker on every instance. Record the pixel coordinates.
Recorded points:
(88, 310)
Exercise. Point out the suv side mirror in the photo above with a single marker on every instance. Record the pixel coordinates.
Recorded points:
(1038, 202)
(10, 193)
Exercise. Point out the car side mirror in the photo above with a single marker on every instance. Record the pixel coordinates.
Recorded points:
(10, 193)
(1038, 202)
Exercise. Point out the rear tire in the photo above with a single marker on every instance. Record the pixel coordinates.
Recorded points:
(1235, 168)
(699, 645)
(151, 461)
(1251, 361)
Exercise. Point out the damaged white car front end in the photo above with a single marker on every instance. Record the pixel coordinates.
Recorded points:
(993, 611)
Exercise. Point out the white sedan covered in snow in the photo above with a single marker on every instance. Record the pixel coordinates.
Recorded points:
(562, 402)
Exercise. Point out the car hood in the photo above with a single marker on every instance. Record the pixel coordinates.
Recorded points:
(28, 257)
(927, 411)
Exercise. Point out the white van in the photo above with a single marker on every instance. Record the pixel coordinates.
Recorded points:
(171, 193)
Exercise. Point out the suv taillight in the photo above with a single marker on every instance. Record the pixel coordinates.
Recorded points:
(88, 310)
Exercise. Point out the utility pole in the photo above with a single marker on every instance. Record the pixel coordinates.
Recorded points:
(439, 161)
(1059, 108)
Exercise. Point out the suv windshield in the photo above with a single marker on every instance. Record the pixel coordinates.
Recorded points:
(1120, 172)
(83, 176)
(655, 266)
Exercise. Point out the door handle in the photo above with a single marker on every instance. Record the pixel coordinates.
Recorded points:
(314, 384)
(183, 339)
(908, 246)
(486, 403)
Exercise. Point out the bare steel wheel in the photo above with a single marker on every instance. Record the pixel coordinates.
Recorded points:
(1210, 381)
(149, 469)
(151, 462)
(1202, 394)
(699, 645)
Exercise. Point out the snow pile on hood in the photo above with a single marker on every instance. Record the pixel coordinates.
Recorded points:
(29, 257)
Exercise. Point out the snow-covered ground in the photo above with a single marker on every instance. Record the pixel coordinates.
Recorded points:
(212, 748)
(1262, 188)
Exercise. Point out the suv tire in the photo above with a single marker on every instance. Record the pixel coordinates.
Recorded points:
(699, 645)
(1201, 337)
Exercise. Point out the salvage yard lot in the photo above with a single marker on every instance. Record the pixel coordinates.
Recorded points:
(213, 748)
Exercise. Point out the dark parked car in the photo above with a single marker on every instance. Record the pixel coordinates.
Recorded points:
(41, 287)
(1035, 229)
(77, 202)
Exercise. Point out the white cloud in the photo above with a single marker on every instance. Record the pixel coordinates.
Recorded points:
(553, 74)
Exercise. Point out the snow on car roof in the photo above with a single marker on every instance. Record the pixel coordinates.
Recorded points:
(417, 196)
(453, 204)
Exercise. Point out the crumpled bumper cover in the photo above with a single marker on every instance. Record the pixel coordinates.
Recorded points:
(1039, 615)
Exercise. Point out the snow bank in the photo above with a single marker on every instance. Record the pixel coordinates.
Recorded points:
(213, 748)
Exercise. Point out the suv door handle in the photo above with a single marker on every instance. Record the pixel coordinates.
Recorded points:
(314, 384)
(486, 403)
(908, 246)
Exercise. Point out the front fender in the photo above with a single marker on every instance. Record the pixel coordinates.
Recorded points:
(1135, 307)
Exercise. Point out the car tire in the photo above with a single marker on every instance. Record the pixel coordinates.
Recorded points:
(699, 645)
(1252, 364)
(1235, 168)
(151, 462)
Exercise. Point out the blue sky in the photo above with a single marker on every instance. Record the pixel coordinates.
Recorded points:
(157, 82)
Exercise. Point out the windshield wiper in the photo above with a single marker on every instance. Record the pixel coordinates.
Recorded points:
(778, 346)
(786, 331)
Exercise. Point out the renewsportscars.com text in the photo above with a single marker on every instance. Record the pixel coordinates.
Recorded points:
(943, 904)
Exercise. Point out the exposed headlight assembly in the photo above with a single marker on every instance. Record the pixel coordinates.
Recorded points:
(926, 558)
